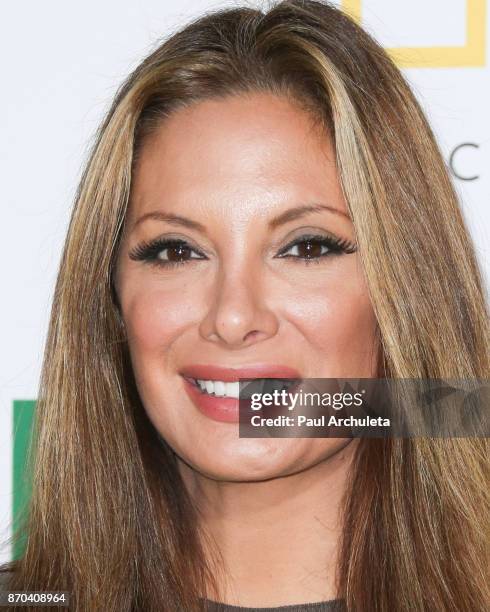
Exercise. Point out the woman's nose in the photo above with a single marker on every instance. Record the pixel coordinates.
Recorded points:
(238, 314)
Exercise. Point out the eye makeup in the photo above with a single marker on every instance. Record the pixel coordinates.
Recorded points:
(165, 252)
(304, 249)
(313, 247)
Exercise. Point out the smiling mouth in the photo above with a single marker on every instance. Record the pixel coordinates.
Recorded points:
(221, 388)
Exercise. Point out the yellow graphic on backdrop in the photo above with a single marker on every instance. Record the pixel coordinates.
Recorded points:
(470, 54)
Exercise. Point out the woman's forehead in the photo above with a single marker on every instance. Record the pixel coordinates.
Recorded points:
(238, 149)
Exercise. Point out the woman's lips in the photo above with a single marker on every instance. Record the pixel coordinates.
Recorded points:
(223, 409)
(214, 372)
(226, 409)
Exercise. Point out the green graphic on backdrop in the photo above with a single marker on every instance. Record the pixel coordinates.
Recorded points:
(23, 418)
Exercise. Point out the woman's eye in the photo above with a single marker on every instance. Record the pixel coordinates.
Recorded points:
(175, 253)
(314, 247)
(166, 252)
(308, 249)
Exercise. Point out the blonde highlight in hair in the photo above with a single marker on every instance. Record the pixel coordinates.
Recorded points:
(110, 519)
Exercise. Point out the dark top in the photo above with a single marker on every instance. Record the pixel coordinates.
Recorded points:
(334, 605)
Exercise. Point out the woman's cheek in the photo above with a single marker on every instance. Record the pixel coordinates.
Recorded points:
(157, 314)
(335, 319)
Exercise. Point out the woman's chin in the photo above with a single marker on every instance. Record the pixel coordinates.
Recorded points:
(256, 459)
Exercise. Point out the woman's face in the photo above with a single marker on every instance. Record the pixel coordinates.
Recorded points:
(261, 279)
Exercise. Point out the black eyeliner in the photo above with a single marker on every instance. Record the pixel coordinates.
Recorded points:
(334, 244)
(147, 251)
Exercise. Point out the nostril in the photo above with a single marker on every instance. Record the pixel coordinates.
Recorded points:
(251, 335)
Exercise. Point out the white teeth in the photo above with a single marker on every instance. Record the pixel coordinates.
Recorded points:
(219, 388)
(232, 389)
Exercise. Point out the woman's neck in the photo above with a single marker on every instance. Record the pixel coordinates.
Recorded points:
(279, 538)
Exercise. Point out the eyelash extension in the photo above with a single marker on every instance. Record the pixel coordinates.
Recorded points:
(336, 246)
(148, 252)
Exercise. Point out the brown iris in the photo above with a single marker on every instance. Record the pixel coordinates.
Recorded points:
(177, 252)
(308, 249)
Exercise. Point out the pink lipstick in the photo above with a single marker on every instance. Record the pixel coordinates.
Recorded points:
(214, 389)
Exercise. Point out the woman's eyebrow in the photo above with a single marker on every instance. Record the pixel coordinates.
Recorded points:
(170, 218)
(288, 215)
(298, 211)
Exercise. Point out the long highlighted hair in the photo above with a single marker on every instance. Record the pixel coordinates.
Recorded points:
(110, 519)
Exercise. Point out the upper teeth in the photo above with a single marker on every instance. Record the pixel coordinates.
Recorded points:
(219, 387)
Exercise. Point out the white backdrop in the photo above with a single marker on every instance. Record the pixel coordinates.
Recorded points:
(61, 65)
